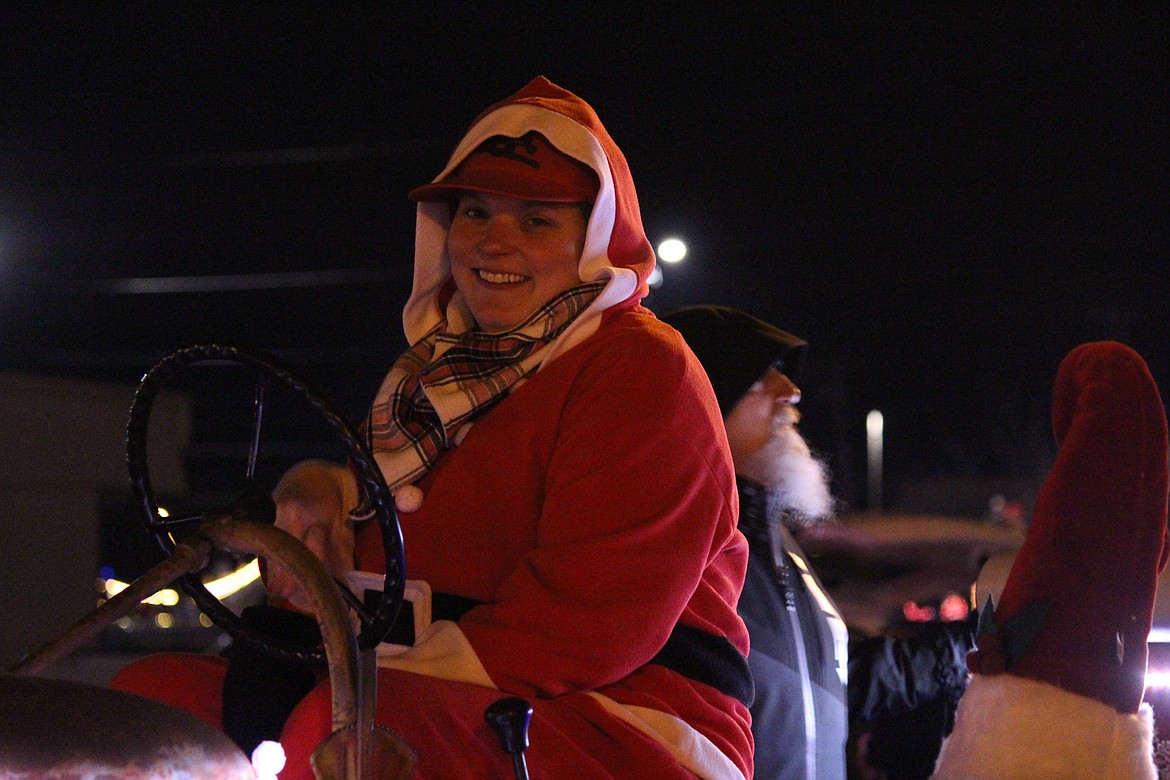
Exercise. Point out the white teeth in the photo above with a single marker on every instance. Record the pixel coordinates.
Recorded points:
(499, 278)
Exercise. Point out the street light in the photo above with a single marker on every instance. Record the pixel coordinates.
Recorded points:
(874, 429)
(672, 250)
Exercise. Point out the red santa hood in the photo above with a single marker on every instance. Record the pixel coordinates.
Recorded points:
(616, 249)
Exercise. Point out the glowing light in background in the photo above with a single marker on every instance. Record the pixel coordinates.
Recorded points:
(166, 597)
(953, 607)
(916, 613)
(236, 581)
(672, 250)
(268, 759)
(220, 588)
(874, 430)
(1158, 668)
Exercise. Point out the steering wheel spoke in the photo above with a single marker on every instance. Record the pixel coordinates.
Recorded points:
(355, 603)
(164, 523)
(257, 425)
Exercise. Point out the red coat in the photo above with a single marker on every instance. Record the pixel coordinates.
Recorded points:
(592, 509)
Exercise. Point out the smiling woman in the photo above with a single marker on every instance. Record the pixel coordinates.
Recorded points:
(517, 431)
(519, 211)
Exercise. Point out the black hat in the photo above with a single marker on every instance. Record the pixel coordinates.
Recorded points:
(736, 348)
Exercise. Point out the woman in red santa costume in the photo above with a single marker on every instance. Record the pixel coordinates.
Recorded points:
(561, 472)
(1059, 674)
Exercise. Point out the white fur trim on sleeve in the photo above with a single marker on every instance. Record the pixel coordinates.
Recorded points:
(441, 651)
(1010, 728)
(692, 749)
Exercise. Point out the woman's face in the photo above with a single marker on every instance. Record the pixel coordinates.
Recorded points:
(510, 256)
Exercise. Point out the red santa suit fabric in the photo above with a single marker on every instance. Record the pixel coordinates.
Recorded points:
(592, 512)
(628, 532)
(1058, 675)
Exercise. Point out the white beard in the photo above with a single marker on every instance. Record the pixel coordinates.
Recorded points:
(797, 482)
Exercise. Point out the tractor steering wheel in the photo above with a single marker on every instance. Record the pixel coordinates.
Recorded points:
(255, 504)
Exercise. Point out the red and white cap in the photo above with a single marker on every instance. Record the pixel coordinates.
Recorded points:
(1059, 673)
(527, 168)
(1077, 606)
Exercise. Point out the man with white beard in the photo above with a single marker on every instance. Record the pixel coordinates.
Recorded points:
(798, 655)
(800, 658)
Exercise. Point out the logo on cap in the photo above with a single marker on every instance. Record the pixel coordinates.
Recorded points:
(522, 149)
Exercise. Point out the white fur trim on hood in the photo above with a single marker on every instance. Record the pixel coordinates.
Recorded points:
(553, 112)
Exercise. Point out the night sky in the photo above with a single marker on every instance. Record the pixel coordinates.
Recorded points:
(942, 198)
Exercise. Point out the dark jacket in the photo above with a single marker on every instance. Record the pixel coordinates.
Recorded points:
(905, 691)
(890, 676)
(793, 641)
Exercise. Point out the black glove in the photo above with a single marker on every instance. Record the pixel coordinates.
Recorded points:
(889, 675)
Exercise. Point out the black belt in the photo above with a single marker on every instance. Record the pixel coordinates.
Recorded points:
(693, 653)
(708, 659)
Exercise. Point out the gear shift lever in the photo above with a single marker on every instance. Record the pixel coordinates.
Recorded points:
(509, 718)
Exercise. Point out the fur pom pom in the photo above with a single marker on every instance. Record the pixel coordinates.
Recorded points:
(408, 498)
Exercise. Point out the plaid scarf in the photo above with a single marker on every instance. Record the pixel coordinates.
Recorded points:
(441, 384)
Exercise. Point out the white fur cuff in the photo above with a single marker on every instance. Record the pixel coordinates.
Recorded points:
(1008, 727)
